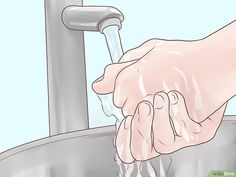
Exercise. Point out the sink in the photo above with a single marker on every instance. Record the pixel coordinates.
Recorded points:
(90, 153)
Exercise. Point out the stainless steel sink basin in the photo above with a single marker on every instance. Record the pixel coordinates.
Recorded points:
(90, 153)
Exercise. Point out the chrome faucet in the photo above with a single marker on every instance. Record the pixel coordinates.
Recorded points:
(66, 22)
(91, 18)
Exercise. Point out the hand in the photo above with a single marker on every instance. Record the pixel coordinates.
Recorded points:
(162, 127)
(189, 67)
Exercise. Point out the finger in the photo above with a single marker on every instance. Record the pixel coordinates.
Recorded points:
(126, 86)
(207, 131)
(141, 132)
(178, 107)
(105, 84)
(138, 52)
(123, 141)
(183, 124)
(177, 112)
(128, 108)
(163, 132)
(211, 124)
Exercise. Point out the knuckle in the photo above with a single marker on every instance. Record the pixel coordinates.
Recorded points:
(137, 155)
(118, 97)
(119, 92)
(125, 83)
(125, 110)
(108, 69)
(127, 55)
(161, 148)
(205, 137)
(153, 41)
(116, 100)
(118, 103)
(121, 78)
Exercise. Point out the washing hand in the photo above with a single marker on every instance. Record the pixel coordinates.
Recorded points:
(162, 127)
(197, 69)
(202, 71)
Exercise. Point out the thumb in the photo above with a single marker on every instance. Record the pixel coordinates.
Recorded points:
(105, 84)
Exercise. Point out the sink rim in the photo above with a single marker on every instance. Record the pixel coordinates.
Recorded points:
(56, 138)
(75, 134)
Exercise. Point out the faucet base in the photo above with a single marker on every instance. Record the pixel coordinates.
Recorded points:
(66, 71)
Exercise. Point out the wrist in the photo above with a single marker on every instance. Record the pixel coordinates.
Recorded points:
(215, 65)
(223, 47)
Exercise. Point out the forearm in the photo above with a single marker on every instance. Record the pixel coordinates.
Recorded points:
(222, 62)
(223, 44)
(214, 64)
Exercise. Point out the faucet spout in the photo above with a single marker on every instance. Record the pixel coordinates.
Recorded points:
(91, 18)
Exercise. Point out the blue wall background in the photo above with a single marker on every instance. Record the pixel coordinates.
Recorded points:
(23, 89)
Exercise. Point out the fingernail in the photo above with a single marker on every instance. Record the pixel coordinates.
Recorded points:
(159, 101)
(144, 109)
(149, 98)
(173, 97)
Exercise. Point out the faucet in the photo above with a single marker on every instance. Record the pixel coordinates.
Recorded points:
(66, 22)
(91, 18)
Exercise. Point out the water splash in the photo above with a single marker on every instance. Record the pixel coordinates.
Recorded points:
(129, 168)
(151, 169)
(140, 168)
(136, 169)
(162, 171)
